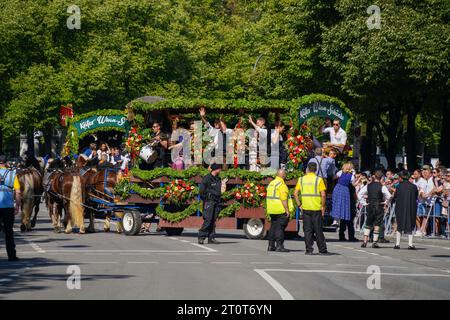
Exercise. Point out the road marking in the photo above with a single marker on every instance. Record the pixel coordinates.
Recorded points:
(35, 246)
(185, 241)
(245, 254)
(172, 254)
(5, 280)
(430, 275)
(311, 263)
(357, 257)
(184, 262)
(143, 262)
(225, 262)
(98, 262)
(204, 247)
(173, 238)
(428, 260)
(351, 265)
(265, 262)
(208, 254)
(121, 251)
(284, 294)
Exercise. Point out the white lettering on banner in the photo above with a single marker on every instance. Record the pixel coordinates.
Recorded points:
(318, 108)
(101, 120)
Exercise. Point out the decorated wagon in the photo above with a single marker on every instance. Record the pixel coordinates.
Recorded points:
(173, 193)
(168, 194)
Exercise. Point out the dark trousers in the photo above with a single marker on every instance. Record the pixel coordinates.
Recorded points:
(278, 222)
(7, 217)
(312, 225)
(210, 211)
(343, 225)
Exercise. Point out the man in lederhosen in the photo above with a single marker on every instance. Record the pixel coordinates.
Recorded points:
(377, 195)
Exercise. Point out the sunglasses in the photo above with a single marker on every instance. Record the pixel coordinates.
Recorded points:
(335, 124)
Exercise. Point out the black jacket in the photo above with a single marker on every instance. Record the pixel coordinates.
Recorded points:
(211, 188)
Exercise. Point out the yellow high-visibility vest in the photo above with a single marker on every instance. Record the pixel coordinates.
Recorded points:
(310, 188)
(273, 199)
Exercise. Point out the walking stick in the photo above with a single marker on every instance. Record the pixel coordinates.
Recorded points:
(423, 228)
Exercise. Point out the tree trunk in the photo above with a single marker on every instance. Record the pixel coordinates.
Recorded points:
(368, 147)
(444, 145)
(411, 139)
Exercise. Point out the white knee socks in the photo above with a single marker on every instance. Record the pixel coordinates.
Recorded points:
(398, 237)
(410, 240)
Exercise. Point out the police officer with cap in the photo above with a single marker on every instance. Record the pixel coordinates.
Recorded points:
(9, 190)
(210, 192)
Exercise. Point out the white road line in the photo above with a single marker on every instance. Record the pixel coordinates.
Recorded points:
(430, 275)
(350, 248)
(35, 246)
(284, 294)
(5, 280)
(226, 262)
(121, 251)
(357, 257)
(245, 254)
(208, 254)
(99, 262)
(185, 241)
(204, 247)
(265, 262)
(428, 260)
(173, 238)
(311, 263)
(184, 262)
(351, 265)
(143, 262)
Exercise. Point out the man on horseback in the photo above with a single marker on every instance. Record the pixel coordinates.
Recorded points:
(9, 190)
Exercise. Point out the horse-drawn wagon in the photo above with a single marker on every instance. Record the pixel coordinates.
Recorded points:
(153, 192)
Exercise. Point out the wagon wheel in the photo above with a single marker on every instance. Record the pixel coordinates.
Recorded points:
(132, 222)
(254, 229)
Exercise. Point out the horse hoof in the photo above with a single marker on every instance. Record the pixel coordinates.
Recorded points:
(23, 228)
(90, 230)
(33, 224)
(106, 230)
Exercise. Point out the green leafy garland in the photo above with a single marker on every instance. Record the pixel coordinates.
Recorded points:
(243, 174)
(178, 216)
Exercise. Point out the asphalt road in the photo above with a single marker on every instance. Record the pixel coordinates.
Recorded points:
(155, 266)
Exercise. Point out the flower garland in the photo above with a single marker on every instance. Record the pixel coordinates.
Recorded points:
(178, 216)
(179, 192)
(298, 144)
(251, 195)
(134, 143)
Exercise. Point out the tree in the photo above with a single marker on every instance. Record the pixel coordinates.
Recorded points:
(389, 73)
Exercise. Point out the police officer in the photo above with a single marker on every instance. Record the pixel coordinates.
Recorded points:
(9, 189)
(313, 201)
(210, 192)
(278, 209)
(376, 193)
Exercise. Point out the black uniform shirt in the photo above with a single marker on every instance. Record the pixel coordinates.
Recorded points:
(211, 187)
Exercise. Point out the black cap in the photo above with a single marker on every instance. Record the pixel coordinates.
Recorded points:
(2, 158)
(216, 166)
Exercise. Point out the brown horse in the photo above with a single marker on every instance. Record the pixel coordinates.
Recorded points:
(31, 188)
(99, 183)
(66, 191)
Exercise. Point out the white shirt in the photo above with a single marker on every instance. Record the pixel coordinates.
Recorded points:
(363, 193)
(336, 138)
(424, 186)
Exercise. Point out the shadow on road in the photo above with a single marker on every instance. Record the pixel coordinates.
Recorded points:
(31, 275)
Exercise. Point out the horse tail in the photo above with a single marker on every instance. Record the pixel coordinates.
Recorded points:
(76, 203)
(27, 200)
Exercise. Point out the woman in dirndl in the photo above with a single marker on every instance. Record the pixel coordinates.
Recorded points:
(341, 209)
